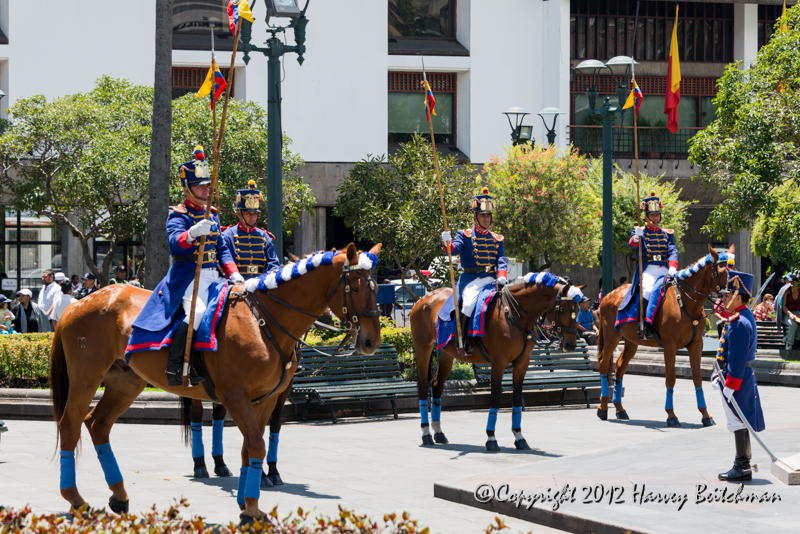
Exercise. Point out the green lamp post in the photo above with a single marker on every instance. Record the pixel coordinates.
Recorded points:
(519, 132)
(593, 67)
(274, 49)
(551, 130)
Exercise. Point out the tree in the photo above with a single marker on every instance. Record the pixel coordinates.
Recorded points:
(155, 241)
(751, 151)
(545, 205)
(396, 202)
(777, 233)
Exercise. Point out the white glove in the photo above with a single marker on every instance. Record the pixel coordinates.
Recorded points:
(251, 285)
(446, 237)
(672, 272)
(201, 228)
(502, 280)
(728, 392)
(638, 231)
(237, 278)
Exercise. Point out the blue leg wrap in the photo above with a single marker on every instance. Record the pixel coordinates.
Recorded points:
(423, 411)
(252, 488)
(242, 482)
(516, 417)
(272, 452)
(617, 391)
(108, 463)
(436, 409)
(701, 400)
(197, 440)
(492, 419)
(216, 437)
(604, 386)
(68, 469)
(670, 391)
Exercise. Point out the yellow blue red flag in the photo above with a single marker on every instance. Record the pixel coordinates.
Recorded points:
(213, 85)
(236, 9)
(430, 102)
(635, 98)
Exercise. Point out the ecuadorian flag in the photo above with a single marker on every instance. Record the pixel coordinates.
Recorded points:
(213, 85)
(235, 9)
(635, 98)
(430, 102)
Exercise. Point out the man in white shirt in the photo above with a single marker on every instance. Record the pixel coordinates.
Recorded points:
(49, 291)
(64, 299)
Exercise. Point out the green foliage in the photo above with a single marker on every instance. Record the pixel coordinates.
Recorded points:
(396, 202)
(777, 231)
(399, 337)
(752, 150)
(25, 356)
(545, 205)
(459, 371)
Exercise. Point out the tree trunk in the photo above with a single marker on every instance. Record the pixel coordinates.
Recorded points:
(156, 246)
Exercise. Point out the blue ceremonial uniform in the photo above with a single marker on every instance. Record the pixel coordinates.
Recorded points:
(659, 248)
(252, 248)
(737, 347)
(480, 252)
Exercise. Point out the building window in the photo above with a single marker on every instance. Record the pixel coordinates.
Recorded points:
(128, 253)
(30, 244)
(191, 23)
(767, 16)
(604, 29)
(407, 107)
(422, 18)
(187, 80)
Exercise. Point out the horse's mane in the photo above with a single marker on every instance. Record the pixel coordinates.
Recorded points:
(547, 280)
(702, 262)
(290, 271)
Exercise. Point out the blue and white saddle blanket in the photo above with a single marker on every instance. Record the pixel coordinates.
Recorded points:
(446, 321)
(204, 339)
(629, 309)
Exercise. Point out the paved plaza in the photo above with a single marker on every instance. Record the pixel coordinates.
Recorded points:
(377, 465)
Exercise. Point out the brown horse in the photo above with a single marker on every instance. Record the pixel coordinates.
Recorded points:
(251, 369)
(510, 336)
(679, 323)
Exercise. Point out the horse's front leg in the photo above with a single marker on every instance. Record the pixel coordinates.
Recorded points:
(218, 413)
(498, 368)
(423, 353)
(628, 352)
(517, 403)
(198, 451)
(253, 452)
(695, 358)
(670, 351)
(272, 477)
(443, 371)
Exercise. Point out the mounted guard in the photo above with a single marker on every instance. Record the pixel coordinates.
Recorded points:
(252, 247)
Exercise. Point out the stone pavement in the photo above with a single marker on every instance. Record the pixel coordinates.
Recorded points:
(377, 465)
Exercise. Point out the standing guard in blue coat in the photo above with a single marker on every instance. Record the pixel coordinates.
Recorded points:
(252, 247)
(185, 225)
(737, 350)
(483, 258)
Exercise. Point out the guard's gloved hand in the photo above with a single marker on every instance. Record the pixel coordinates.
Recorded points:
(728, 392)
(672, 272)
(201, 228)
(502, 280)
(251, 285)
(446, 238)
(638, 231)
(237, 278)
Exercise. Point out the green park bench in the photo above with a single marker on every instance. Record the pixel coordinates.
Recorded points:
(347, 379)
(770, 335)
(549, 368)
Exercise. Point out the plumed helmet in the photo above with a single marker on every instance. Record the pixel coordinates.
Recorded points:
(483, 203)
(740, 282)
(652, 204)
(195, 172)
(249, 199)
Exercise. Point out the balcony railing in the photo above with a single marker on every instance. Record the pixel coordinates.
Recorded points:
(654, 142)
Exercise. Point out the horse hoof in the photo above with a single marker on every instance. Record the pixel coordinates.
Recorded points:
(623, 415)
(275, 479)
(602, 414)
(118, 507)
(200, 472)
(707, 421)
(521, 445)
(265, 481)
(439, 437)
(492, 446)
(222, 471)
(427, 439)
(673, 421)
(248, 520)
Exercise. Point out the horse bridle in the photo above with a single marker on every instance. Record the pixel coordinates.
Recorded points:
(708, 297)
(510, 304)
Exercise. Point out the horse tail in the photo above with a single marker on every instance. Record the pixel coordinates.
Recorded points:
(600, 341)
(186, 420)
(59, 378)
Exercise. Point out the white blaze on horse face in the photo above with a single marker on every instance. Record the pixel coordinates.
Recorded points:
(436, 426)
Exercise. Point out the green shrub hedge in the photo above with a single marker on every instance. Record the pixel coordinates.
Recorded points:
(25, 356)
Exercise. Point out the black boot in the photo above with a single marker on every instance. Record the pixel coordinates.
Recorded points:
(741, 469)
(647, 333)
(175, 361)
(464, 336)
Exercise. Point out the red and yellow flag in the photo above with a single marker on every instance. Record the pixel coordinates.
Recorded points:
(784, 27)
(673, 81)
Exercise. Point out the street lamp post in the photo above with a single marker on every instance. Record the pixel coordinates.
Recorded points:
(274, 50)
(551, 131)
(519, 133)
(594, 67)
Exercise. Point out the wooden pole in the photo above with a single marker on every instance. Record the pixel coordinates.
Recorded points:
(638, 215)
(214, 175)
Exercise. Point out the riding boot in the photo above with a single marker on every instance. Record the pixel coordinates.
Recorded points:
(175, 361)
(464, 336)
(298, 354)
(741, 469)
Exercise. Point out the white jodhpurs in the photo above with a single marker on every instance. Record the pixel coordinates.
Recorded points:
(469, 297)
(734, 423)
(207, 277)
(649, 277)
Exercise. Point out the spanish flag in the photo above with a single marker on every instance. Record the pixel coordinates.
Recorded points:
(673, 81)
(213, 85)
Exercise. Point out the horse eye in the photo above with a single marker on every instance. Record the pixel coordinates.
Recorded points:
(355, 289)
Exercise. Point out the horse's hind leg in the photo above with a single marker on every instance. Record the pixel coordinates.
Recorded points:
(218, 413)
(273, 478)
(517, 403)
(606, 344)
(423, 351)
(695, 355)
(670, 352)
(443, 371)
(628, 352)
(198, 451)
(498, 368)
(122, 388)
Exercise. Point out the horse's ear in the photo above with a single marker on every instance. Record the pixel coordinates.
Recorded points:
(582, 287)
(376, 250)
(732, 249)
(713, 253)
(292, 257)
(352, 254)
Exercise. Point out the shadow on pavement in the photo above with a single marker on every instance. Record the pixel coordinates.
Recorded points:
(464, 449)
(654, 425)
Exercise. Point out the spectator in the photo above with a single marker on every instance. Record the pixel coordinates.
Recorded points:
(722, 316)
(28, 316)
(588, 330)
(765, 309)
(89, 285)
(623, 280)
(76, 284)
(6, 317)
(120, 275)
(63, 302)
(49, 292)
(790, 306)
(134, 283)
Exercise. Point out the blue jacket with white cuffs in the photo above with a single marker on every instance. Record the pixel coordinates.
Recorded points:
(659, 247)
(252, 248)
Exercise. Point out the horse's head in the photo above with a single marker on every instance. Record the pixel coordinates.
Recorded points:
(719, 269)
(354, 300)
(564, 315)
